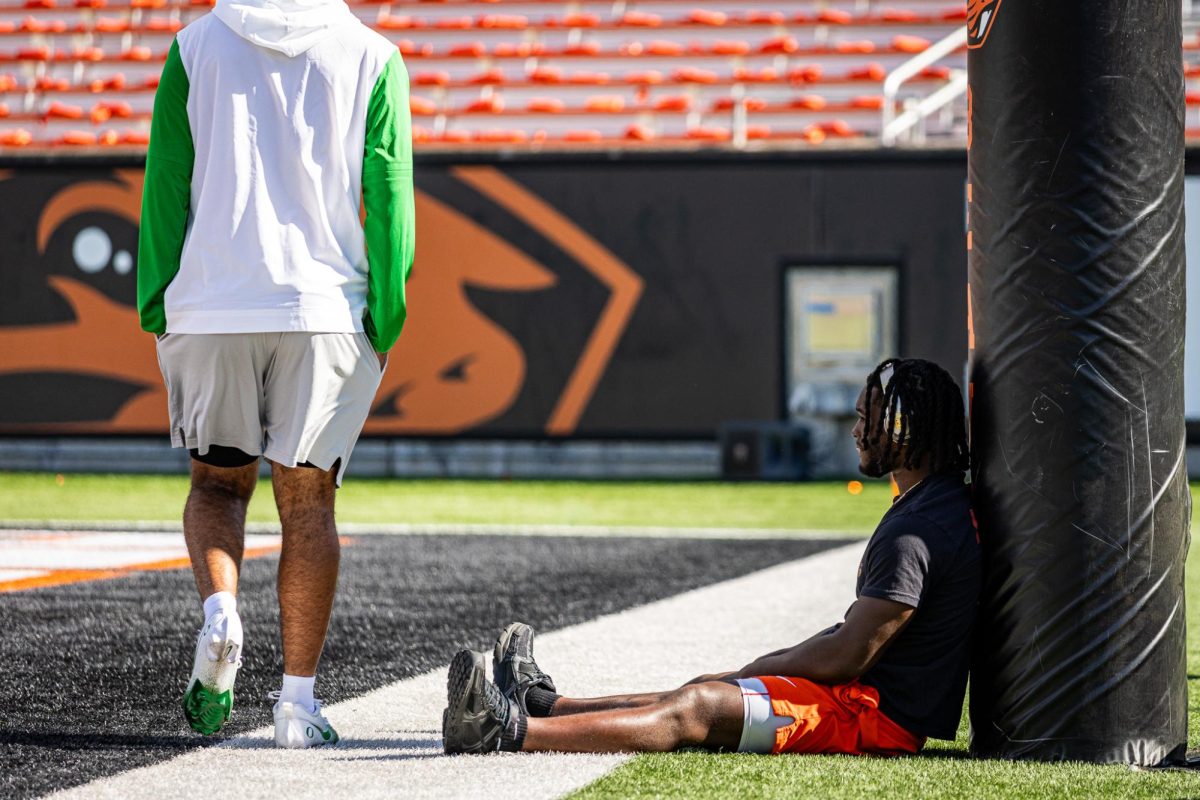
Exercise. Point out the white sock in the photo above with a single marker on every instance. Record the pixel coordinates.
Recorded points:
(221, 601)
(298, 690)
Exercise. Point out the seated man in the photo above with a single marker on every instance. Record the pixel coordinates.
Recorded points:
(890, 675)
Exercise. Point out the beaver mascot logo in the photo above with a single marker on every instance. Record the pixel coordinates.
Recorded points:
(981, 16)
(74, 359)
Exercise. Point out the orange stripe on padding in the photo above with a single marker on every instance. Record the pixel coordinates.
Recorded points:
(62, 577)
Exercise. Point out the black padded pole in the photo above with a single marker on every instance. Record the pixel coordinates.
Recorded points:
(1077, 423)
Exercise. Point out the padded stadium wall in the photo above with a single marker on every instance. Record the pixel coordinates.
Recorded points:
(582, 296)
(1077, 284)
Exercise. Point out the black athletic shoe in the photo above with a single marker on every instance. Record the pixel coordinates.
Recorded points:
(513, 669)
(477, 713)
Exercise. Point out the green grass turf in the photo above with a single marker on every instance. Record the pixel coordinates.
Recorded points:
(942, 771)
(826, 506)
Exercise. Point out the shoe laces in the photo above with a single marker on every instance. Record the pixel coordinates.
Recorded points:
(277, 695)
(495, 703)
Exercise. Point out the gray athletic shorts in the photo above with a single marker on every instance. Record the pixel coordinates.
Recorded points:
(290, 397)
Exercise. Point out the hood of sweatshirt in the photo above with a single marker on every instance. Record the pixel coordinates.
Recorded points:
(288, 26)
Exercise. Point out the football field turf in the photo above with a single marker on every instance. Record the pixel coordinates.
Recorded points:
(100, 698)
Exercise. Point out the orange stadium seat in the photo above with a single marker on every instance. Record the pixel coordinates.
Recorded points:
(762, 75)
(711, 134)
(835, 16)
(546, 105)
(16, 138)
(64, 111)
(857, 46)
(510, 22)
(647, 78)
(638, 133)
(701, 16)
(605, 103)
(640, 19)
(582, 49)
(439, 78)
(489, 77)
(694, 75)
(779, 44)
(910, 44)
(78, 138)
(583, 136)
(548, 75)
(764, 17)
(581, 21)
(731, 48)
(679, 102)
(421, 105)
(809, 102)
(589, 78)
(486, 105)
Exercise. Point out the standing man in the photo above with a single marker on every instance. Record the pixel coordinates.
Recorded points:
(880, 682)
(274, 121)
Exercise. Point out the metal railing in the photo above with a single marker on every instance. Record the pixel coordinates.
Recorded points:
(897, 125)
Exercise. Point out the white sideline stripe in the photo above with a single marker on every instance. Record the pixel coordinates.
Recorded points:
(391, 737)
(435, 528)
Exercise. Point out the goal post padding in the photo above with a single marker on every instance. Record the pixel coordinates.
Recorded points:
(1076, 380)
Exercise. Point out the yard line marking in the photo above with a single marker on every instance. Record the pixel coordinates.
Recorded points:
(391, 736)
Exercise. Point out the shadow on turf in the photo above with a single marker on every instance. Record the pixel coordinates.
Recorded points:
(102, 741)
(420, 745)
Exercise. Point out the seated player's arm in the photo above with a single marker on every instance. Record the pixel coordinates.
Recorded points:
(841, 654)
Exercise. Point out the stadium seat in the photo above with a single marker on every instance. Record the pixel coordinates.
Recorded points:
(809, 102)
(701, 16)
(439, 78)
(78, 138)
(63, 111)
(546, 105)
(651, 77)
(486, 105)
(779, 44)
(605, 103)
(640, 19)
(583, 136)
(709, 134)
(638, 133)
(421, 105)
(18, 137)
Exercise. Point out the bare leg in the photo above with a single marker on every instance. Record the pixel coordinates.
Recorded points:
(703, 714)
(308, 564)
(567, 706)
(214, 524)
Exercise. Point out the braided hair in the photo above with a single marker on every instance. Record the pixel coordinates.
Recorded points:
(922, 409)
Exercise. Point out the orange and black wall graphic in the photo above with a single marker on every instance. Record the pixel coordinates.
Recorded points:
(546, 300)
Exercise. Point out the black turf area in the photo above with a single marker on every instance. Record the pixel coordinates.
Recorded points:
(91, 674)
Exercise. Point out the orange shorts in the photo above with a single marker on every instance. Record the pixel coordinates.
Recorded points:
(807, 717)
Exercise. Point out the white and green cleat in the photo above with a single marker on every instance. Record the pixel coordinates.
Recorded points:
(297, 727)
(208, 700)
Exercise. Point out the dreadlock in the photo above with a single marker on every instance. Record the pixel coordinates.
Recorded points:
(930, 419)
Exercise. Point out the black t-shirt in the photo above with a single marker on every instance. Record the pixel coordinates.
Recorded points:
(925, 554)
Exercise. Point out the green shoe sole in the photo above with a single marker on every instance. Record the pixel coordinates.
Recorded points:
(205, 711)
